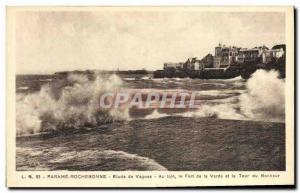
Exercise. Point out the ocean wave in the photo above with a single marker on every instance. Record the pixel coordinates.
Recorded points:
(265, 97)
(263, 100)
(155, 115)
(23, 88)
(71, 103)
(88, 160)
(129, 79)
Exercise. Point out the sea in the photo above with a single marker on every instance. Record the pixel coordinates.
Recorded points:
(239, 124)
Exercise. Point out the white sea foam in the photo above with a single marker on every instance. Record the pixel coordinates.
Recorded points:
(23, 88)
(146, 78)
(74, 103)
(67, 106)
(265, 97)
(128, 78)
(117, 159)
(32, 159)
(263, 100)
(155, 115)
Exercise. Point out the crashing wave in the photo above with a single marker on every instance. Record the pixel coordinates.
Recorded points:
(67, 104)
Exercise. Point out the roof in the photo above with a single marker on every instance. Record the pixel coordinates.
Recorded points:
(279, 46)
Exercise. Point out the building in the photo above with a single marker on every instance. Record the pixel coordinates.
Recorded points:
(191, 64)
(251, 55)
(229, 61)
(196, 63)
(206, 62)
(225, 56)
(272, 55)
(248, 55)
(173, 65)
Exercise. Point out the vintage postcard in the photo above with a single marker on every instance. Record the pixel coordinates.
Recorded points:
(150, 96)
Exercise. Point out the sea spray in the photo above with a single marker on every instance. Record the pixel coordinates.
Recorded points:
(69, 104)
(265, 97)
(263, 100)
(74, 103)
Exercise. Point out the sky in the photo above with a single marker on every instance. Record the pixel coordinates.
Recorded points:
(52, 41)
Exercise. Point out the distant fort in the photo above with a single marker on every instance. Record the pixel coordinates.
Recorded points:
(228, 62)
